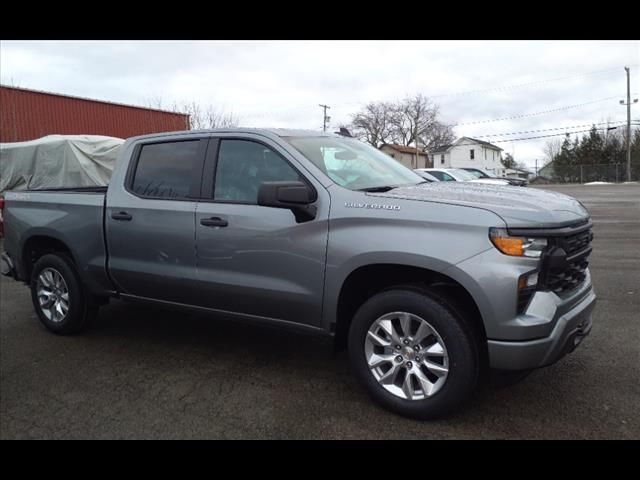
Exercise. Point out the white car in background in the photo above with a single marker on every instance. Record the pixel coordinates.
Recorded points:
(460, 175)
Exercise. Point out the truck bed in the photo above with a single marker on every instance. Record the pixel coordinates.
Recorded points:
(67, 190)
(74, 216)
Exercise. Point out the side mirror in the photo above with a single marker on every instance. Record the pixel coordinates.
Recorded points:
(294, 196)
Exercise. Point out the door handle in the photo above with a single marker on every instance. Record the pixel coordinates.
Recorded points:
(121, 216)
(214, 222)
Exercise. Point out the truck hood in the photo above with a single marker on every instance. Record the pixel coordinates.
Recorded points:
(517, 206)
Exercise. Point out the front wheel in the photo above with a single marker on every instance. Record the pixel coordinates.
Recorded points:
(58, 297)
(413, 353)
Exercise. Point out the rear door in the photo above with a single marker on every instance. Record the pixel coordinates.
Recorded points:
(251, 259)
(150, 223)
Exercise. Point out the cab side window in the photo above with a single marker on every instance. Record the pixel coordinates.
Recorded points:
(166, 170)
(243, 165)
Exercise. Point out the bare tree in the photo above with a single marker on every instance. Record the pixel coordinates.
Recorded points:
(413, 118)
(200, 117)
(552, 149)
(438, 134)
(220, 119)
(374, 124)
(400, 122)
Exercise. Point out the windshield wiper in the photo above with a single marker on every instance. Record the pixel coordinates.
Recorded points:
(386, 188)
(383, 188)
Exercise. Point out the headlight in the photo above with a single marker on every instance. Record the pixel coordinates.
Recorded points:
(516, 246)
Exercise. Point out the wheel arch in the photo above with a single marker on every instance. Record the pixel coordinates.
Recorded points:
(368, 280)
(38, 245)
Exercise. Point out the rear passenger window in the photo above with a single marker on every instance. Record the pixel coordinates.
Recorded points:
(165, 170)
(243, 165)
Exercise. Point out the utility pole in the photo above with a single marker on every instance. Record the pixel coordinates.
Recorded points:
(417, 150)
(628, 104)
(536, 167)
(325, 119)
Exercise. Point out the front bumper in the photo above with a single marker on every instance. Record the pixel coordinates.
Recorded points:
(569, 331)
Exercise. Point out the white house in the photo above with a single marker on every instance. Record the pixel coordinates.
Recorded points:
(469, 152)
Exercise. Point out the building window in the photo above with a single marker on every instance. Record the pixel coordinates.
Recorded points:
(442, 159)
(472, 154)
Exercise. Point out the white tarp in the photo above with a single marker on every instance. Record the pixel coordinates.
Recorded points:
(58, 161)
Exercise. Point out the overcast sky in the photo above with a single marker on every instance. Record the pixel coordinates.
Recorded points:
(281, 83)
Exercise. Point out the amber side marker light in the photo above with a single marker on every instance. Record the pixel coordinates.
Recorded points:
(508, 246)
(516, 246)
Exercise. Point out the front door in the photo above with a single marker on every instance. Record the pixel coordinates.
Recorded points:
(258, 260)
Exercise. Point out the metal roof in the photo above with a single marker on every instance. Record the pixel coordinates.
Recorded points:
(482, 142)
(44, 92)
(444, 148)
(403, 148)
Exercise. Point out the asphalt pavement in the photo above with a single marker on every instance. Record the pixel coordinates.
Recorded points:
(148, 373)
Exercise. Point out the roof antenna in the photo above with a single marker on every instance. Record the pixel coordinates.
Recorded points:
(344, 132)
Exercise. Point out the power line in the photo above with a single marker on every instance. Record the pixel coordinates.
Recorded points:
(520, 85)
(513, 117)
(611, 71)
(545, 136)
(549, 129)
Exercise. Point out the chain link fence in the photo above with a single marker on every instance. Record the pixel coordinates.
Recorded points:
(610, 173)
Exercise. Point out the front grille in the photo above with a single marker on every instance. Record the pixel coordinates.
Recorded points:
(569, 279)
(575, 243)
(570, 276)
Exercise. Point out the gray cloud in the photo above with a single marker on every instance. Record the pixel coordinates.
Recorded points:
(281, 83)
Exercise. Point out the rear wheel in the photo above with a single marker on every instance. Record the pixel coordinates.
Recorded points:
(58, 296)
(413, 353)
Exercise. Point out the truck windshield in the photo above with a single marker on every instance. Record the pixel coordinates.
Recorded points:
(353, 164)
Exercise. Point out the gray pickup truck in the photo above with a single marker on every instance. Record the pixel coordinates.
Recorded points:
(428, 285)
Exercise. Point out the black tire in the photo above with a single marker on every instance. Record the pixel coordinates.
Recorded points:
(81, 307)
(458, 337)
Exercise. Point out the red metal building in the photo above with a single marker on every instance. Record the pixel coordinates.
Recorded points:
(30, 114)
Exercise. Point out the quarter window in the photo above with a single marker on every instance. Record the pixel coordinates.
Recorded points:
(243, 165)
(165, 170)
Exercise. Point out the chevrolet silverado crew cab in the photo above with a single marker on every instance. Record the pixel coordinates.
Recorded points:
(428, 285)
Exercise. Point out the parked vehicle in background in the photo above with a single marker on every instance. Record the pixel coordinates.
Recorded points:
(460, 175)
(426, 175)
(427, 285)
(483, 174)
